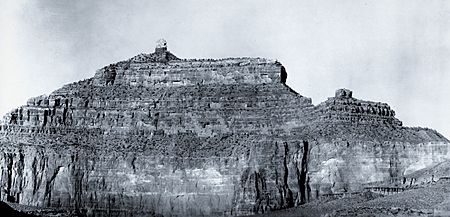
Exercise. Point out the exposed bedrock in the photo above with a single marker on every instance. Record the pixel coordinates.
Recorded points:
(262, 178)
(348, 166)
(92, 182)
(159, 135)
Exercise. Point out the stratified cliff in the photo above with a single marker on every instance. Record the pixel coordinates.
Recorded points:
(156, 134)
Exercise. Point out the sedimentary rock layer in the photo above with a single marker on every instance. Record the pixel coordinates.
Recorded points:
(156, 134)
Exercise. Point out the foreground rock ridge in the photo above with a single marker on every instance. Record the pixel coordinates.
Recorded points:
(156, 134)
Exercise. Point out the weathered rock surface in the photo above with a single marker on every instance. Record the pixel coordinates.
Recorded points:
(159, 135)
(431, 199)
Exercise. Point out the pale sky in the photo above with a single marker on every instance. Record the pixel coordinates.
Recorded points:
(384, 50)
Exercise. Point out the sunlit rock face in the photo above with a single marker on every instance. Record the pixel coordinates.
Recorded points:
(156, 134)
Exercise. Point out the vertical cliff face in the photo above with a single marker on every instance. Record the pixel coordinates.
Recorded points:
(360, 142)
(159, 135)
(253, 175)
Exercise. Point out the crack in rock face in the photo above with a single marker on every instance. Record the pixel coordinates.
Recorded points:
(160, 135)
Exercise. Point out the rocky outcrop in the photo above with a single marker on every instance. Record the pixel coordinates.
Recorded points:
(156, 134)
(344, 108)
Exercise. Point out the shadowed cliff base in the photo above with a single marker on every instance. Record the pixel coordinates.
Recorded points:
(8, 211)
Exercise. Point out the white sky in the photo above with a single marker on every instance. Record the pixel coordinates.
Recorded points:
(392, 51)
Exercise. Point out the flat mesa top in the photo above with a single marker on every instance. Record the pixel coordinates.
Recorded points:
(162, 57)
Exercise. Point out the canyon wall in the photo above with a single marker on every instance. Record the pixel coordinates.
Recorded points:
(156, 134)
